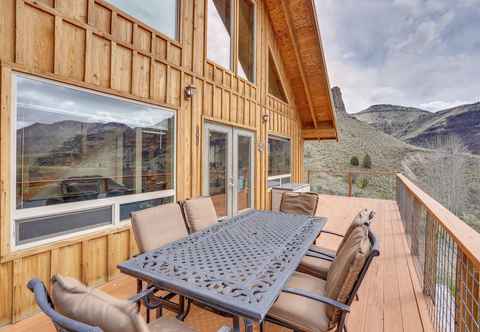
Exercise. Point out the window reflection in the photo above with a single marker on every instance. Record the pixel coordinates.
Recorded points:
(73, 145)
(278, 156)
(161, 15)
(275, 86)
(219, 34)
(246, 48)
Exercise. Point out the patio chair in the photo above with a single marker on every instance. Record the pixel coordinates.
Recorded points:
(299, 203)
(153, 228)
(315, 305)
(199, 213)
(318, 260)
(77, 308)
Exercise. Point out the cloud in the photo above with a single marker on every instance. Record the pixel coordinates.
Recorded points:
(407, 52)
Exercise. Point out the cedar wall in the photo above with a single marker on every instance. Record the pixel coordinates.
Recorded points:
(93, 45)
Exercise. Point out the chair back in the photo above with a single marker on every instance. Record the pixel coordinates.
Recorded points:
(157, 226)
(62, 323)
(199, 213)
(349, 268)
(299, 203)
(364, 217)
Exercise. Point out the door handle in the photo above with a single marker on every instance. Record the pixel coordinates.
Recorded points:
(231, 183)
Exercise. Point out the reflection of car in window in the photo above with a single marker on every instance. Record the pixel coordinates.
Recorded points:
(84, 188)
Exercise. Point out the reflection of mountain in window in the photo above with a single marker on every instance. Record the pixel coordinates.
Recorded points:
(88, 150)
(275, 86)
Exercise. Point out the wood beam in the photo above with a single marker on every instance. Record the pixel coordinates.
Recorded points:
(299, 61)
(319, 134)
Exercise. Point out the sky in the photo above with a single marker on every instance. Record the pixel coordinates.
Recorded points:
(419, 53)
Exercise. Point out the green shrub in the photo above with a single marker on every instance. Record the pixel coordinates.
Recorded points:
(354, 161)
(367, 161)
(362, 183)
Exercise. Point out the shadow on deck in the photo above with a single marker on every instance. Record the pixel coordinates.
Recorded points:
(390, 299)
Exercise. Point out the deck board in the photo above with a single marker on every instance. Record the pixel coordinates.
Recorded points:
(389, 300)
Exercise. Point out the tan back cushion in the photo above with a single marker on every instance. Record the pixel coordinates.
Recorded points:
(158, 226)
(93, 307)
(364, 217)
(200, 213)
(346, 268)
(299, 203)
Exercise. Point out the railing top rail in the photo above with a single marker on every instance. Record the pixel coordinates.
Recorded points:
(465, 236)
(351, 171)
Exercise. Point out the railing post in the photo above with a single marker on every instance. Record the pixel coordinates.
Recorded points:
(349, 184)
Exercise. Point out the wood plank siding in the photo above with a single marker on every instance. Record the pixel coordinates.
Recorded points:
(390, 299)
(93, 45)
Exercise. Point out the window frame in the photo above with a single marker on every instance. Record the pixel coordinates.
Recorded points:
(179, 26)
(56, 209)
(234, 41)
(280, 177)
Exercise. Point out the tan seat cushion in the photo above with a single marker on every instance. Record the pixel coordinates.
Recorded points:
(200, 213)
(302, 313)
(299, 203)
(158, 226)
(346, 268)
(165, 324)
(93, 307)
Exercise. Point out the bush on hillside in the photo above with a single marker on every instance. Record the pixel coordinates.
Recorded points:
(362, 183)
(354, 161)
(367, 161)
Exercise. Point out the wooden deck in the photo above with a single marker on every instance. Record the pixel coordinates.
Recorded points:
(389, 300)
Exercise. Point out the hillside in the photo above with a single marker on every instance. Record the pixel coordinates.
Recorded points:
(329, 162)
(391, 119)
(419, 127)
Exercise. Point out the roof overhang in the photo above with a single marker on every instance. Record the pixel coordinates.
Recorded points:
(298, 37)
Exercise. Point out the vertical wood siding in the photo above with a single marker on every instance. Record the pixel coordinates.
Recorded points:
(89, 43)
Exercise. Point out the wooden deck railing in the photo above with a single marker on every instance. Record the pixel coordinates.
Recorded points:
(446, 253)
(360, 183)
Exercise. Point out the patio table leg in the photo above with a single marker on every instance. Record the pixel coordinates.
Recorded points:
(236, 324)
(248, 325)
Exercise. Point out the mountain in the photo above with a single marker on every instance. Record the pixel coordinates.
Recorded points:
(391, 119)
(421, 128)
(461, 121)
(327, 163)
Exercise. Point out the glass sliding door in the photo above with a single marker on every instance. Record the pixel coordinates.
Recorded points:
(228, 170)
(243, 170)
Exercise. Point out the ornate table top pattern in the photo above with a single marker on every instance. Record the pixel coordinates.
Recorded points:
(239, 266)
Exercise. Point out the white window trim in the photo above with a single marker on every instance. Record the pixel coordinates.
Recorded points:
(52, 210)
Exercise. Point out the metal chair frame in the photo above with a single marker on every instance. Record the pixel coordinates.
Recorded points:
(343, 307)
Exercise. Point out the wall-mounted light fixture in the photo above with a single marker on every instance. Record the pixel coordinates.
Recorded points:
(190, 91)
(261, 147)
(265, 117)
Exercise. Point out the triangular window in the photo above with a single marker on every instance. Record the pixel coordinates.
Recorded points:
(275, 86)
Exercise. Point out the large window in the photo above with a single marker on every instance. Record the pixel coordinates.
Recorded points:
(220, 36)
(246, 40)
(275, 87)
(162, 15)
(279, 161)
(84, 159)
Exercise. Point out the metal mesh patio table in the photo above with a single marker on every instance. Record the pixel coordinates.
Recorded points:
(238, 266)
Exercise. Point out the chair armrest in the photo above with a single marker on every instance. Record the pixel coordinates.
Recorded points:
(42, 299)
(319, 256)
(332, 233)
(143, 295)
(317, 297)
(322, 252)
